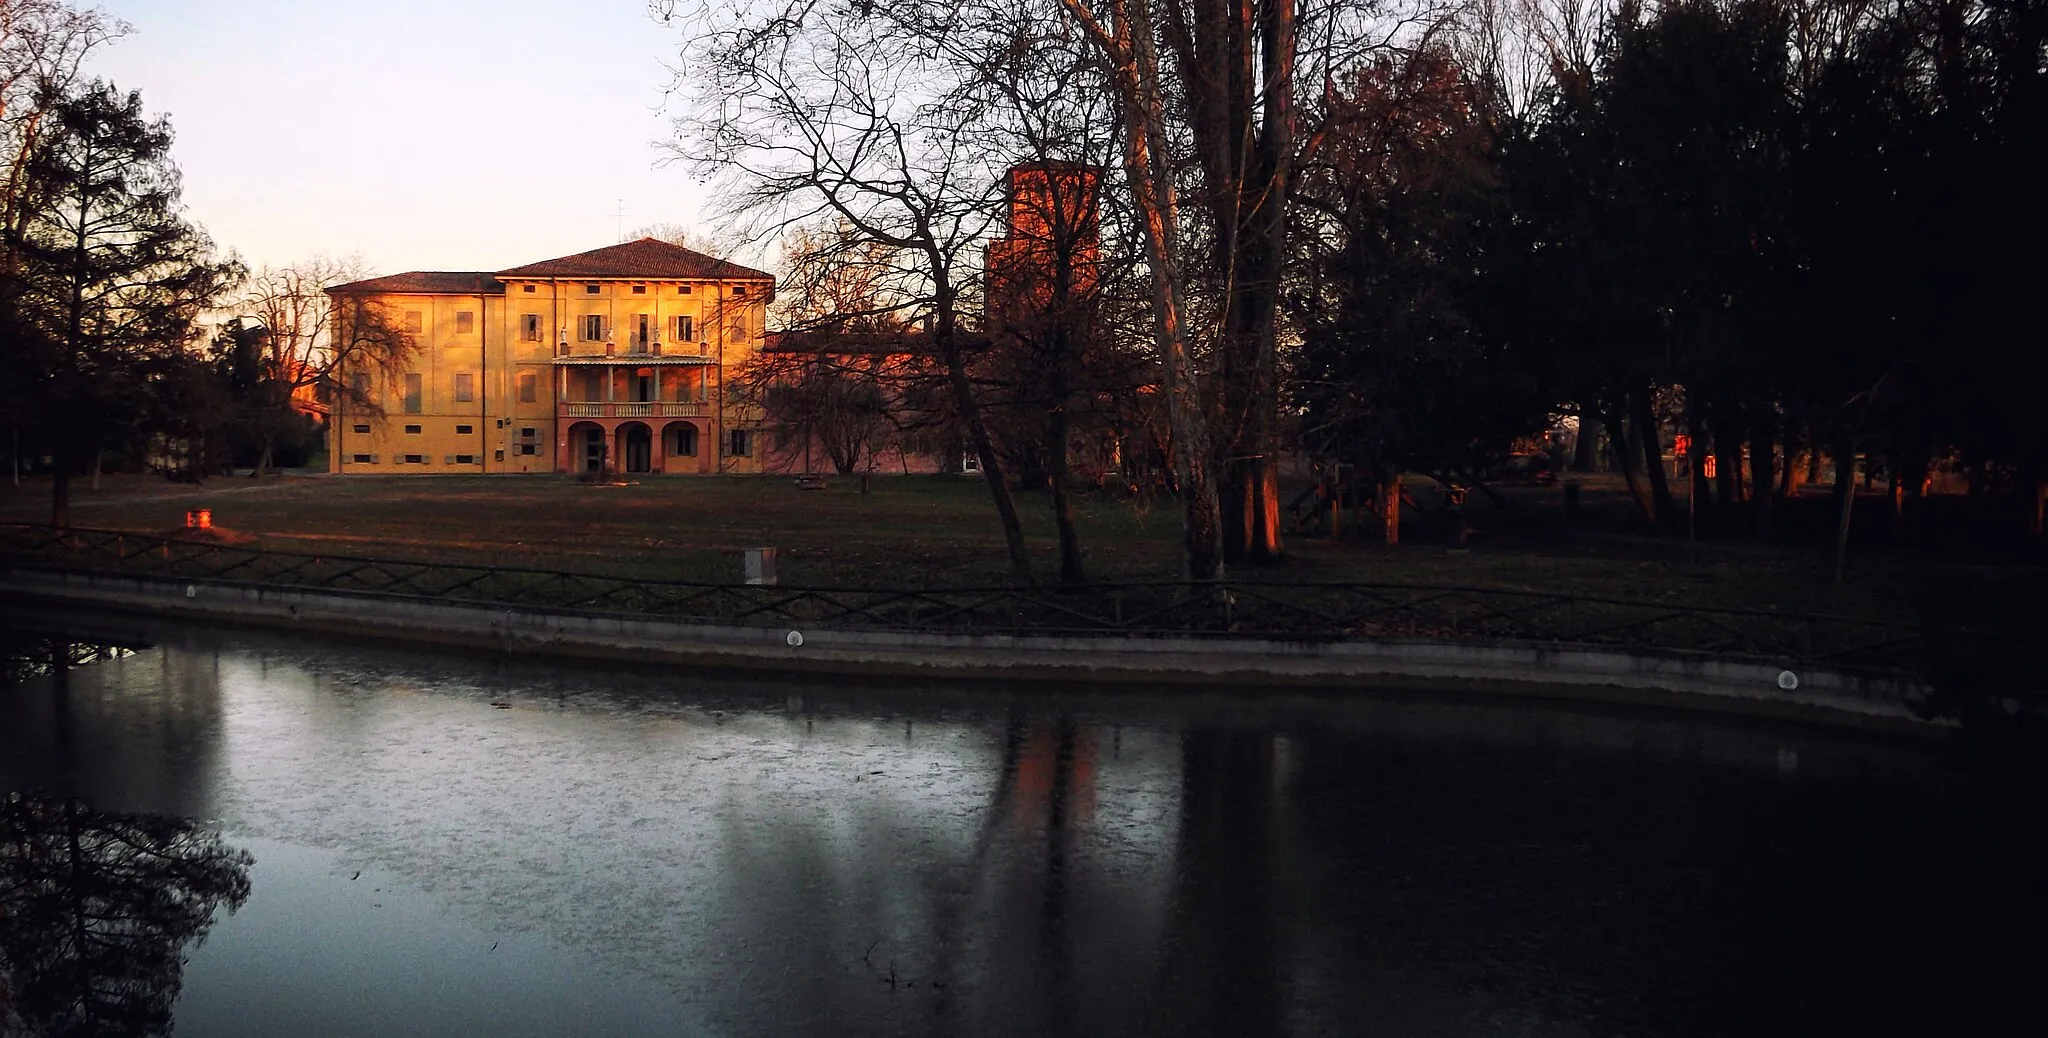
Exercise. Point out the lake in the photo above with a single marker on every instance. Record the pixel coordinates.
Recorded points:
(222, 833)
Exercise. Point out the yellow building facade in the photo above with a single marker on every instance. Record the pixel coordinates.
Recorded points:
(620, 357)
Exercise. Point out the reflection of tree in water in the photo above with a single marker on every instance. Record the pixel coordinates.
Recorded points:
(96, 908)
(24, 657)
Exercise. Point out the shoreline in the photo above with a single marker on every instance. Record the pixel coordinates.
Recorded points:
(1514, 669)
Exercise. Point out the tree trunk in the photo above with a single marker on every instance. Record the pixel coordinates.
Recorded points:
(1062, 508)
(1845, 498)
(1896, 494)
(1235, 62)
(1149, 169)
(1789, 471)
(1251, 500)
(263, 457)
(1763, 472)
(991, 467)
(60, 496)
(2038, 514)
(1699, 490)
(1652, 442)
(1629, 458)
(1390, 503)
(99, 461)
(1728, 465)
(1586, 448)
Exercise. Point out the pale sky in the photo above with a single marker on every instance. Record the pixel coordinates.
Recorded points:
(418, 134)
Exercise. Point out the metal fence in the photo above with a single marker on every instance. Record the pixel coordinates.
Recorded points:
(1232, 608)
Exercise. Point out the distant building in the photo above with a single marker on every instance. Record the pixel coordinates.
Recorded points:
(1053, 230)
(615, 357)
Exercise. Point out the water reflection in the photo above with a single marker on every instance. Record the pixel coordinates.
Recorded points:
(779, 858)
(96, 909)
(25, 656)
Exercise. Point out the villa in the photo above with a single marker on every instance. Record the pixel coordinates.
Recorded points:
(617, 357)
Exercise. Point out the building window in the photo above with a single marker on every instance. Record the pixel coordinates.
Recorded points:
(465, 388)
(739, 331)
(529, 442)
(526, 288)
(360, 459)
(415, 322)
(682, 290)
(590, 289)
(500, 453)
(529, 387)
(685, 328)
(465, 459)
(465, 430)
(639, 290)
(529, 327)
(593, 328)
(415, 459)
(412, 430)
(640, 322)
(742, 445)
(740, 291)
(412, 393)
(359, 384)
(465, 322)
(686, 441)
(362, 428)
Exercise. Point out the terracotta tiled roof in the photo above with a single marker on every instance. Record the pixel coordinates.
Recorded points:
(427, 282)
(647, 258)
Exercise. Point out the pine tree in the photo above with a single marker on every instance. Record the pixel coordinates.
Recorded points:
(110, 279)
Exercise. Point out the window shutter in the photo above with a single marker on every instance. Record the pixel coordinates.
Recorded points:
(376, 459)
(447, 459)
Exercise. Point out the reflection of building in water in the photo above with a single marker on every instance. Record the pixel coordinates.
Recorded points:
(1055, 770)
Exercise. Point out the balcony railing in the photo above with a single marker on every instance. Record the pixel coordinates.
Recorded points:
(632, 409)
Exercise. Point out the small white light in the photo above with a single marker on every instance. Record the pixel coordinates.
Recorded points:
(191, 591)
(794, 638)
(1788, 681)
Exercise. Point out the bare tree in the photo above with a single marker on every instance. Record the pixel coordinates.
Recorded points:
(310, 337)
(1126, 41)
(811, 111)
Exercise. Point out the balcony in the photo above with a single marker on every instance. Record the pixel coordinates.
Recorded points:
(632, 409)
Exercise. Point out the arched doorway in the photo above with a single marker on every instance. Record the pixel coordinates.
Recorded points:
(636, 447)
(586, 447)
(679, 444)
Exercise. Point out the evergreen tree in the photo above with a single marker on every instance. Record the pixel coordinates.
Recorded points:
(110, 279)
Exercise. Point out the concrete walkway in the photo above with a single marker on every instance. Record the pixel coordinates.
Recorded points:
(1238, 664)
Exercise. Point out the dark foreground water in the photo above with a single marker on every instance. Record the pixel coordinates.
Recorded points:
(358, 841)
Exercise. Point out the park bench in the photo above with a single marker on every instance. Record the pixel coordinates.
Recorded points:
(810, 482)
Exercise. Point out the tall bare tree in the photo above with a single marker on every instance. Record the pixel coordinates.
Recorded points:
(309, 338)
(815, 110)
(1125, 37)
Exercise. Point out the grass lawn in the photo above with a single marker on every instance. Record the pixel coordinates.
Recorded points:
(940, 531)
